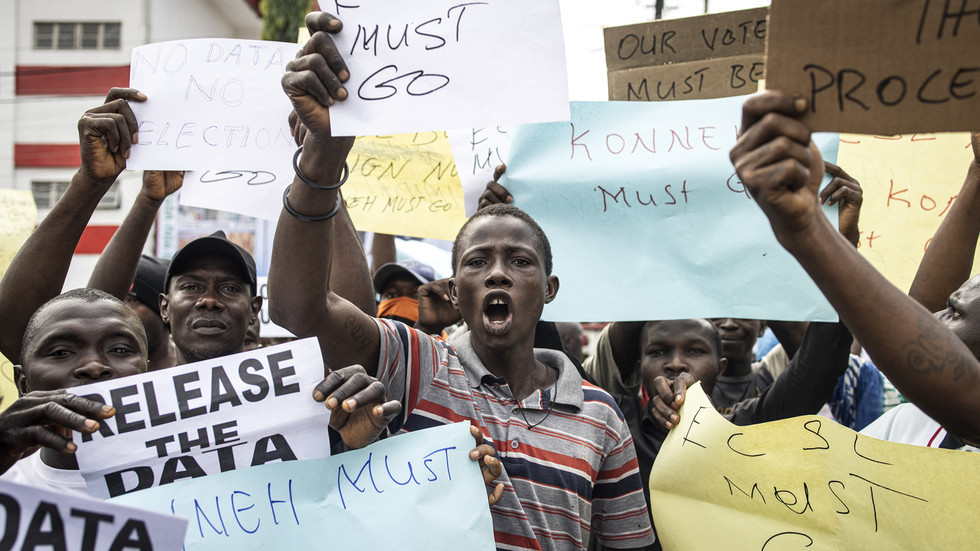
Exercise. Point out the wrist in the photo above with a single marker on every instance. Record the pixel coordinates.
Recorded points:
(322, 161)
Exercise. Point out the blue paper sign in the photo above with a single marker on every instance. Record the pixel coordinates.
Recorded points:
(648, 220)
(415, 491)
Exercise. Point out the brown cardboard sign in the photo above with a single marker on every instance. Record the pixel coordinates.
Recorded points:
(879, 66)
(686, 39)
(710, 78)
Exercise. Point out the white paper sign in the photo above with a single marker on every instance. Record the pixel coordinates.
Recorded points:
(213, 104)
(439, 64)
(477, 153)
(36, 518)
(255, 193)
(206, 417)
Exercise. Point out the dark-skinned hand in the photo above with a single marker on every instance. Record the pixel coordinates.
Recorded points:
(495, 193)
(357, 404)
(845, 191)
(106, 134)
(489, 464)
(778, 163)
(436, 309)
(46, 418)
(668, 397)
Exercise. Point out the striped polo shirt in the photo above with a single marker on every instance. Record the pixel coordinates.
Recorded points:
(569, 464)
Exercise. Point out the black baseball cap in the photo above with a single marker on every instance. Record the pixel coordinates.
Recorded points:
(215, 244)
(151, 273)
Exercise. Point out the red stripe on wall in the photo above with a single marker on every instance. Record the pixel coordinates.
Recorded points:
(46, 155)
(69, 80)
(94, 239)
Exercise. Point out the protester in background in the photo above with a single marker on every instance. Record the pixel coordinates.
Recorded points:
(572, 338)
(492, 377)
(943, 285)
(397, 283)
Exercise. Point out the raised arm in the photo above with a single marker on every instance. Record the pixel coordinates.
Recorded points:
(350, 279)
(927, 363)
(948, 260)
(116, 268)
(300, 294)
(37, 273)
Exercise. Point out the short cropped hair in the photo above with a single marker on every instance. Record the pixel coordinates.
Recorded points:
(87, 295)
(501, 209)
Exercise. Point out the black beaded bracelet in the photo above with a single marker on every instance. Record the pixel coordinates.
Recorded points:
(311, 183)
(304, 218)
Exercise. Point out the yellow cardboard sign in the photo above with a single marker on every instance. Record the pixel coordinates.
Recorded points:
(909, 183)
(17, 217)
(405, 184)
(806, 482)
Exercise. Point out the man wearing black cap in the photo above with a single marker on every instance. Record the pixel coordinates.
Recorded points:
(210, 298)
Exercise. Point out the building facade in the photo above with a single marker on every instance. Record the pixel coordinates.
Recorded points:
(59, 58)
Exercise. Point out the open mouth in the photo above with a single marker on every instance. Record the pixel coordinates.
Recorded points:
(497, 315)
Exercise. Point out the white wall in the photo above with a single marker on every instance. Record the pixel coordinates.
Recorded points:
(8, 64)
(129, 13)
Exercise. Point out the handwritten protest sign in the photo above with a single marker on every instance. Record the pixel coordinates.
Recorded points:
(806, 482)
(212, 104)
(405, 184)
(438, 64)
(710, 56)
(686, 39)
(204, 418)
(421, 487)
(17, 217)
(477, 152)
(712, 78)
(910, 182)
(879, 66)
(256, 193)
(645, 195)
(37, 518)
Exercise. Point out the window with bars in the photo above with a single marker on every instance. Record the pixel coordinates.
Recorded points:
(77, 36)
(47, 193)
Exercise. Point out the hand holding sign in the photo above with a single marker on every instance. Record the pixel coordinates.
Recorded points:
(159, 184)
(314, 81)
(776, 160)
(106, 134)
(845, 191)
(41, 418)
(363, 413)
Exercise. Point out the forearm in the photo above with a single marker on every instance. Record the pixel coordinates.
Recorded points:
(383, 251)
(116, 268)
(948, 260)
(38, 271)
(300, 295)
(926, 362)
(811, 376)
(351, 278)
(302, 252)
(789, 334)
